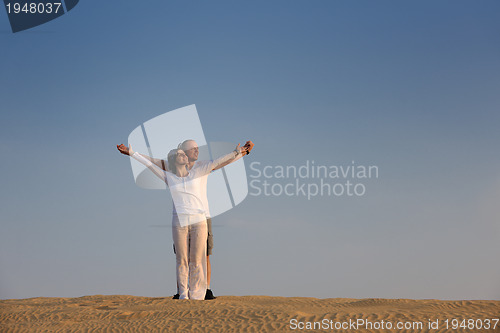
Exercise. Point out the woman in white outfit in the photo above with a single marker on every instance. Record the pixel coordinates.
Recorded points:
(189, 227)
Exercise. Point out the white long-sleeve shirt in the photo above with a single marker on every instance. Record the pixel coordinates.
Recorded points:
(189, 193)
(204, 181)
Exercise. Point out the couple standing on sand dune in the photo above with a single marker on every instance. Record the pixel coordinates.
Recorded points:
(191, 224)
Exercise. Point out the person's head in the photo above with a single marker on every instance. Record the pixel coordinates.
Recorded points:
(191, 149)
(176, 158)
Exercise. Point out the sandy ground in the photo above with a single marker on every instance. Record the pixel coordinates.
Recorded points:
(123, 313)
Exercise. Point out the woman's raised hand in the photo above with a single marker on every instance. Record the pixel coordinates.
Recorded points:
(124, 150)
(239, 149)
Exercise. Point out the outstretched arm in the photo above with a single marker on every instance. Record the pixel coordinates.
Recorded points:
(159, 172)
(158, 162)
(245, 150)
(223, 160)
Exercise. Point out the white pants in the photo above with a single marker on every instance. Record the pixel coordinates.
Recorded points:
(191, 257)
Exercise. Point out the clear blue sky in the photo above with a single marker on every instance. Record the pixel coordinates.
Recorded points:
(412, 87)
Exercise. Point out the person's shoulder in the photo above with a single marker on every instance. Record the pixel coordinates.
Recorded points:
(200, 164)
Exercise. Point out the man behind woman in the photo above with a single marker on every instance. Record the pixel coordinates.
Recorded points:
(187, 182)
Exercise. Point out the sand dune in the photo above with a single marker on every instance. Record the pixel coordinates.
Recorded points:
(123, 313)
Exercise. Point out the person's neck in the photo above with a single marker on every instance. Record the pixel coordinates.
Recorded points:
(181, 171)
(190, 165)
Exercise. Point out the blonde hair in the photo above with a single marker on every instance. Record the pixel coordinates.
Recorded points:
(172, 157)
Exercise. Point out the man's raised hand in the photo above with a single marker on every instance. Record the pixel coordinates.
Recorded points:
(249, 146)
